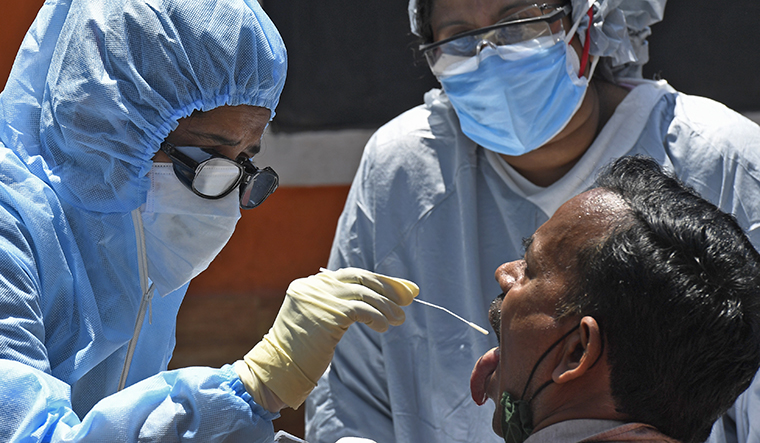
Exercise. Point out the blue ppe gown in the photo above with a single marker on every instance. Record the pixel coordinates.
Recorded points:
(96, 87)
(427, 204)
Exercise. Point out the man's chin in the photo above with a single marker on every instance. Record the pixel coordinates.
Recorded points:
(496, 422)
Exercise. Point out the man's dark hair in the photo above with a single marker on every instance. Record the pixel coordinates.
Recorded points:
(675, 288)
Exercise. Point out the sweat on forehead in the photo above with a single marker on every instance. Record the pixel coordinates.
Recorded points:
(605, 204)
(590, 214)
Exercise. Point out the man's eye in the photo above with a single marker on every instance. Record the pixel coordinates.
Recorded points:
(527, 270)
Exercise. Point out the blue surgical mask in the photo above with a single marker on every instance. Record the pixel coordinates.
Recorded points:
(518, 98)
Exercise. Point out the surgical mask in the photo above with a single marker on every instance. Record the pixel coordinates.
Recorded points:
(183, 232)
(520, 96)
(516, 416)
(516, 419)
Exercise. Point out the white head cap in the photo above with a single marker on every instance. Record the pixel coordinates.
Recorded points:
(618, 32)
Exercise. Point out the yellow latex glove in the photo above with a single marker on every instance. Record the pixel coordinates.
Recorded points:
(316, 312)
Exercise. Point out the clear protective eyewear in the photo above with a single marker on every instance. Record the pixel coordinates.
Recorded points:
(539, 23)
(211, 175)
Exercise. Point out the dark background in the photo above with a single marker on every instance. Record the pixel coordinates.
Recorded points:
(352, 63)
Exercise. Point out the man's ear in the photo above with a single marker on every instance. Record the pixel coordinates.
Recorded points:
(582, 349)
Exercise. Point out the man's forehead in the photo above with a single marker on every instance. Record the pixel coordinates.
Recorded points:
(603, 201)
(597, 206)
(586, 216)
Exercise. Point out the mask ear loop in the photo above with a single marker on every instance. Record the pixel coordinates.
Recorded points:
(586, 44)
(535, 367)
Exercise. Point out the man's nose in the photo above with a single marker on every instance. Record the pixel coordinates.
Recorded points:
(508, 273)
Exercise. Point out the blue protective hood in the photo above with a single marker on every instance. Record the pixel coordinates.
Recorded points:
(97, 86)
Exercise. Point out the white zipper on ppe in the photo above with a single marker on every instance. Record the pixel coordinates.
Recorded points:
(147, 294)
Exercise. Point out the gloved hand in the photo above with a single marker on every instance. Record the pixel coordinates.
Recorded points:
(286, 364)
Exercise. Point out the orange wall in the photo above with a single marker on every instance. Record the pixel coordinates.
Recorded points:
(288, 236)
(18, 15)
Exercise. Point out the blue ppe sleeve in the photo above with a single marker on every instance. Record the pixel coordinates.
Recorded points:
(190, 404)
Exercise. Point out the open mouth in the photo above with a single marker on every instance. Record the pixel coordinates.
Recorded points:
(480, 380)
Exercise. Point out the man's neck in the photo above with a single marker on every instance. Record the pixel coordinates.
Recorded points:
(587, 397)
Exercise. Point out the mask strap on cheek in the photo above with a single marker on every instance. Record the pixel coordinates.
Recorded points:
(540, 359)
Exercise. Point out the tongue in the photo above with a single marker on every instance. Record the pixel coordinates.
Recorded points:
(481, 375)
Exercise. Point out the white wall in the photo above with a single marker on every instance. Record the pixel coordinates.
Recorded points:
(320, 158)
(325, 158)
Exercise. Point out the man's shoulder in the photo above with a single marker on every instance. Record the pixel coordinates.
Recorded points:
(597, 430)
(629, 432)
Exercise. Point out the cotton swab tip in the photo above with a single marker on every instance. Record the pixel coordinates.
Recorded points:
(467, 322)
(478, 328)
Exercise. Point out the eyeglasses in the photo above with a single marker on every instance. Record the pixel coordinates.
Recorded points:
(211, 175)
(534, 22)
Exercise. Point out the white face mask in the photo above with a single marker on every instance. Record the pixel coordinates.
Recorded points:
(183, 232)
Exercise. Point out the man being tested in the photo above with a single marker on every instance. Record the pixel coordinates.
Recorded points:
(535, 98)
(633, 316)
(127, 129)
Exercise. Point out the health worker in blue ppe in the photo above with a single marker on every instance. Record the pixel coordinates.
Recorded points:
(534, 100)
(127, 129)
